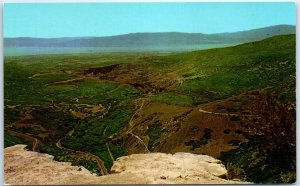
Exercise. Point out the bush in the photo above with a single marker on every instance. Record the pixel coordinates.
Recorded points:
(226, 131)
(234, 142)
(235, 118)
(221, 107)
(269, 155)
(277, 123)
(202, 141)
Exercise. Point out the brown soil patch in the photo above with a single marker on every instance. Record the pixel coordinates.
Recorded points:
(74, 80)
(182, 129)
(226, 131)
(151, 114)
(143, 78)
(100, 70)
(193, 127)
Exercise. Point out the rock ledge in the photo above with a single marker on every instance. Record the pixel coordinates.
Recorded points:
(26, 167)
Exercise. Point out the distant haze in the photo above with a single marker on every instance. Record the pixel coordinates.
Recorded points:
(155, 42)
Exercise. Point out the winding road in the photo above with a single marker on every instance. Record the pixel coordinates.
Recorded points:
(79, 154)
(109, 152)
(131, 125)
(35, 142)
(140, 140)
(224, 114)
(85, 155)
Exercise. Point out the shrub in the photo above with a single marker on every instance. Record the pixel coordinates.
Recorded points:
(269, 155)
(277, 123)
(226, 131)
(234, 142)
(235, 118)
(220, 107)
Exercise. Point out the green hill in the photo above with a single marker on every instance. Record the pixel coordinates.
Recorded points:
(215, 73)
(203, 75)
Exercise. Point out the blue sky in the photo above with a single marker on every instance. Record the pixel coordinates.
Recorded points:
(49, 20)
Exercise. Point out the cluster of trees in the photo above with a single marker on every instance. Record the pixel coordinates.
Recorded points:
(276, 122)
(269, 155)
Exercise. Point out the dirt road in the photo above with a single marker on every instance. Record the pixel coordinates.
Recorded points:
(85, 155)
(224, 114)
(35, 142)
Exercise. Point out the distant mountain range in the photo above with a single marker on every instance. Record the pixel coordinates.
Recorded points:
(153, 39)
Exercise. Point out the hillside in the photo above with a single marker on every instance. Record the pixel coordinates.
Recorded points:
(170, 39)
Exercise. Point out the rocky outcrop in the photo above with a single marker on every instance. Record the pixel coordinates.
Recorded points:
(168, 168)
(26, 167)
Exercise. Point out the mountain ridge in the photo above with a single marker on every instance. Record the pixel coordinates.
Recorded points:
(146, 39)
(280, 25)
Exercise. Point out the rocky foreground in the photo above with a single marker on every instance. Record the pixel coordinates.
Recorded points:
(26, 167)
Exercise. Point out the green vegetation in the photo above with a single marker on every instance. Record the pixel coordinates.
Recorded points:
(234, 142)
(55, 120)
(255, 164)
(202, 141)
(90, 92)
(10, 140)
(233, 70)
(227, 131)
(60, 155)
(11, 115)
(243, 101)
(234, 109)
(220, 107)
(92, 135)
(261, 158)
(176, 99)
(35, 81)
(235, 118)
(154, 134)
(33, 75)
(89, 165)
(238, 131)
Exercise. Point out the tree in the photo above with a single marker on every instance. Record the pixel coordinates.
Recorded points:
(276, 123)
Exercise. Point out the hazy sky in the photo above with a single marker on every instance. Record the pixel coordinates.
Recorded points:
(104, 19)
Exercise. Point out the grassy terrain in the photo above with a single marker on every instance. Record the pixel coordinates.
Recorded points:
(60, 155)
(29, 75)
(154, 133)
(10, 140)
(172, 98)
(233, 70)
(29, 81)
(217, 73)
(91, 136)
